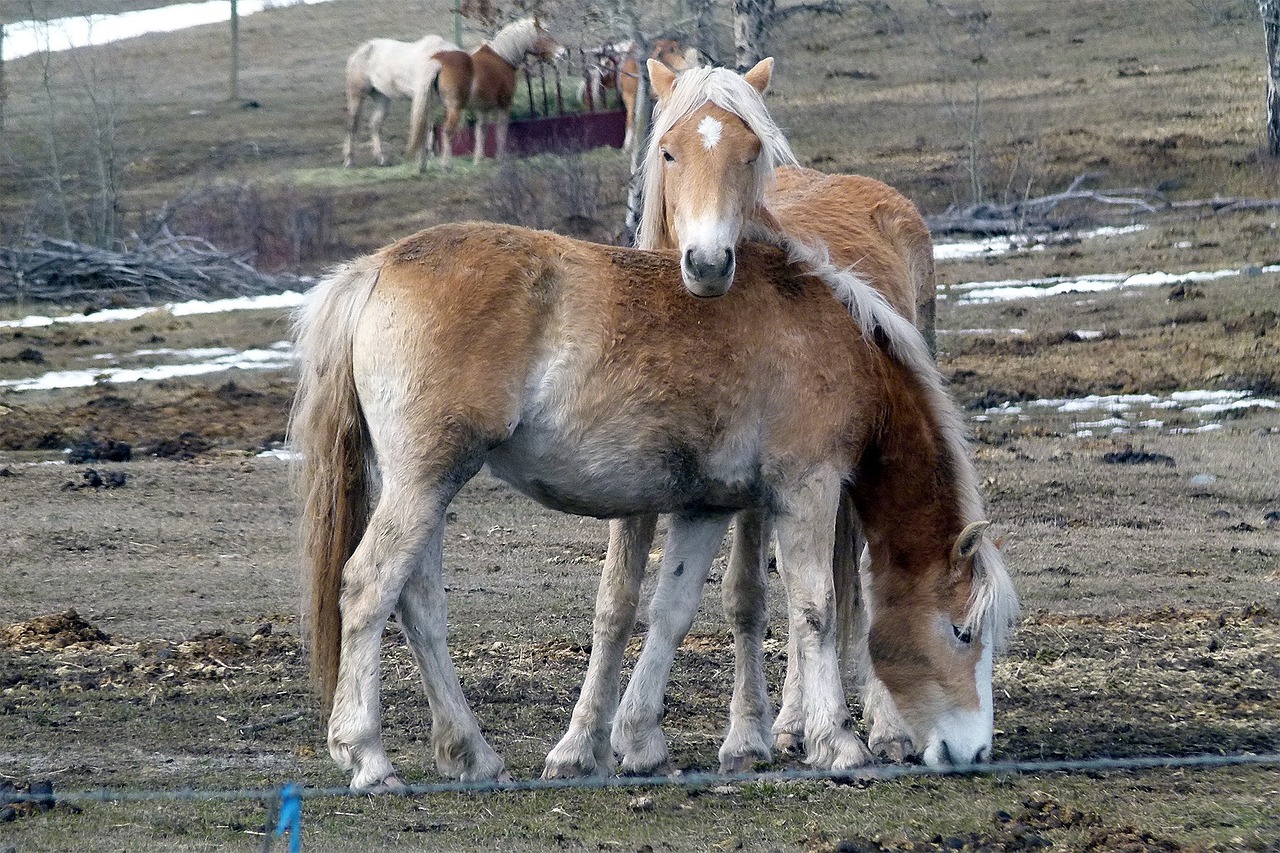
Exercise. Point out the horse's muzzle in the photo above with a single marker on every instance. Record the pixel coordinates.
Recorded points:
(707, 278)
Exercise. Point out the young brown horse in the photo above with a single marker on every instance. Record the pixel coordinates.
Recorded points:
(493, 76)
(711, 158)
(589, 379)
(454, 82)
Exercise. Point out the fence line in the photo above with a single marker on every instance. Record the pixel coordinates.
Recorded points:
(689, 780)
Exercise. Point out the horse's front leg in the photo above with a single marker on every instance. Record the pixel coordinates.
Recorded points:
(806, 535)
(745, 606)
(376, 117)
(692, 541)
(584, 750)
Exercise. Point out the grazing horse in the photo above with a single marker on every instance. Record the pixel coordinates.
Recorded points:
(493, 72)
(588, 378)
(616, 67)
(711, 159)
(385, 69)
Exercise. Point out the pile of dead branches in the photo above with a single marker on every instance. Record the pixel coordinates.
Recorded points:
(1077, 206)
(164, 267)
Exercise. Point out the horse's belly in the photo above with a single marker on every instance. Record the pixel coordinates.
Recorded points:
(609, 479)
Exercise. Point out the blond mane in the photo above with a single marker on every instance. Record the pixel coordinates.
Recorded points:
(514, 40)
(694, 88)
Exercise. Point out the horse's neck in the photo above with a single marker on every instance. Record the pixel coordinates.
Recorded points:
(512, 43)
(915, 484)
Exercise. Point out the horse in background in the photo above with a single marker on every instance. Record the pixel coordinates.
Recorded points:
(493, 76)
(616, 68)
(383, 70)
(710, 180)
(588, 378)
(484, 79)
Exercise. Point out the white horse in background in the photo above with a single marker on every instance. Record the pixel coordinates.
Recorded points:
(384, 70)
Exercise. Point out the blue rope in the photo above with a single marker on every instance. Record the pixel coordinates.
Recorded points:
(291, 816)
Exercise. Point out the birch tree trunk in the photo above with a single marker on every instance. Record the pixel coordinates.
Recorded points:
(1270, 10)
(750, 28)
(4, 89)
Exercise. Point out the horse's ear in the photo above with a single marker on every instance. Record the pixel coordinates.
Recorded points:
(969, 541)
(759, 76)
(663, 78)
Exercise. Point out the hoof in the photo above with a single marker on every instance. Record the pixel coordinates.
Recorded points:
(567, 771)
(739, 764)
(896, 750)
(663, 769)
(789, 744)
(388, 785)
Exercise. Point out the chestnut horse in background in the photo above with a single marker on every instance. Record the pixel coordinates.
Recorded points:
(590, 379)
(709, 181)
(616, 67)
(493, 76)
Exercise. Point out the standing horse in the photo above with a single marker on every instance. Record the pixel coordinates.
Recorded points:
(589, 379)
(385, 69)
(711, 158)
(616, 67)
(493, 68)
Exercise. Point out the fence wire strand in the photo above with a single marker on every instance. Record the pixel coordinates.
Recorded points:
(876, 773)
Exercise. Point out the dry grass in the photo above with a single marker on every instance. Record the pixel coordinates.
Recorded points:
(1140, 93)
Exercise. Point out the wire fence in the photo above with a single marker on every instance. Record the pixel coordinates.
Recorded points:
(874, 773)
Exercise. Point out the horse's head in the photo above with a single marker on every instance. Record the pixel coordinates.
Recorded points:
(674, 54)
(544, 46)
(933, 636)
(711, 154)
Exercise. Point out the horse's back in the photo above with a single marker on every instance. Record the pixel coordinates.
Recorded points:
(866, 224)
(392, 67)
(599, 352)
(493, 85)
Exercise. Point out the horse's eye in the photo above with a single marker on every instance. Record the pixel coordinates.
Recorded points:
(666, 155)
(964, 635)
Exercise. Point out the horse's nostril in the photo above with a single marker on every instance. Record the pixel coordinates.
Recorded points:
(728, 262)
(982, 756)
(944, 755)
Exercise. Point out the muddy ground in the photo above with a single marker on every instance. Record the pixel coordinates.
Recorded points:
(151, 639)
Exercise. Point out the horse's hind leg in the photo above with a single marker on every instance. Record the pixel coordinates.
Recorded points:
(692, 541)
(403, 534)
(500, 135)
(461, 751)
(379, 114)
(745, 586)
(481, 115)
(584, 750)
(806, 534)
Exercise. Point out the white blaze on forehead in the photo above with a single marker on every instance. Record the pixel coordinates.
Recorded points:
(710, 129)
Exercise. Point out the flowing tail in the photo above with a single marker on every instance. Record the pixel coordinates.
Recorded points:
(328, 432)
(906, 231)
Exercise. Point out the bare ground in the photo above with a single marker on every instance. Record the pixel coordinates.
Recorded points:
(1152, 610)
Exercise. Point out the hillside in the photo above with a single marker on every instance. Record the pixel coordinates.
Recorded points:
(1017, 102)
